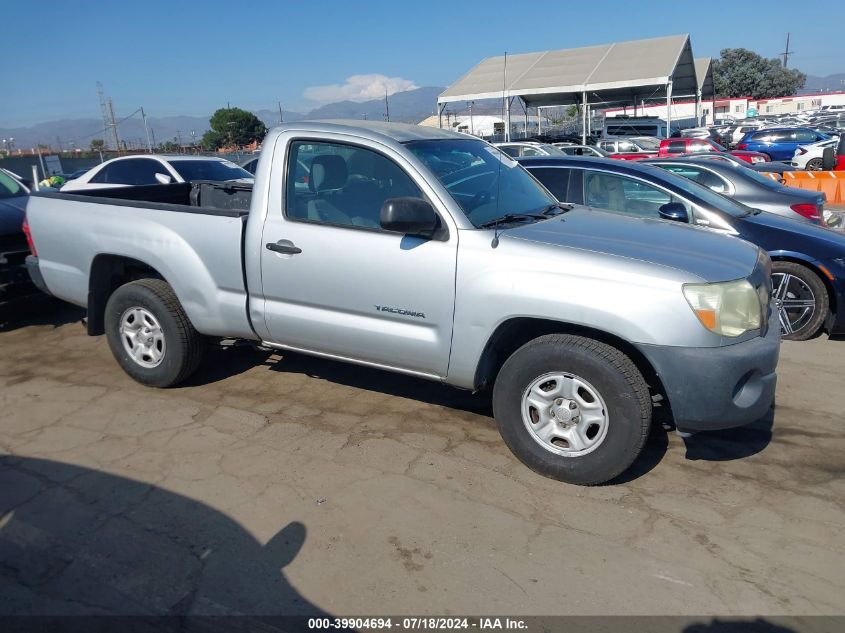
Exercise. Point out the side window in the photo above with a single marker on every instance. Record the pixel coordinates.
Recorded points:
(701, 176)
(140, 171)
(510, 150)
(101, 175)
(607, 146)
(624, 195)
(555, 179)
(531, 151)
(628, 146)
(345, 185)
(699, 146)
(805, 136)
(676, 147)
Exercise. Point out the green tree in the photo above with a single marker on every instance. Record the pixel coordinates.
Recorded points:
(233, 126)
(742, 73)
(98, 145)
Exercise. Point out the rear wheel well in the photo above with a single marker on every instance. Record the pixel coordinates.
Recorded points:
(516, 332)
(108, 273)
(831, 295)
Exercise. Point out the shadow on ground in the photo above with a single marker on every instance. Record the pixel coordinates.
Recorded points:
(757, 625)
(730, 444)
(38, 310)
(75, 541)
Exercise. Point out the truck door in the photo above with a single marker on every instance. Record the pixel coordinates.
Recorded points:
(336, 283)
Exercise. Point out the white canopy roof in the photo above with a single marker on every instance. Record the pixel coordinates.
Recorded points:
(624, 71)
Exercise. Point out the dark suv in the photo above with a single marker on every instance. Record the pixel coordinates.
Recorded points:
(14, 280)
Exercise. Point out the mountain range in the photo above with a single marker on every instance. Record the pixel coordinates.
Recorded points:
(824, 84)
(408, 107)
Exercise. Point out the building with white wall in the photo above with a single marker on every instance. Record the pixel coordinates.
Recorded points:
(736, 108)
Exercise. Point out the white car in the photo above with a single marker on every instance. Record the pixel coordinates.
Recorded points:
(528, 148)
(809, 157)
(156, 169)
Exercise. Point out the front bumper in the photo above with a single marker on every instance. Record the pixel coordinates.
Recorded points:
(713, 388)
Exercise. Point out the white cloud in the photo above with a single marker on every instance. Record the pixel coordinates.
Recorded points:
(359, 88)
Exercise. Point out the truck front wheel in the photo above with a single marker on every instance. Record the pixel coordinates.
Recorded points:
(150, 334)
(572, 408)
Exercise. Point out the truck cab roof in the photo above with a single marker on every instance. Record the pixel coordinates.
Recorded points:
(398, 132)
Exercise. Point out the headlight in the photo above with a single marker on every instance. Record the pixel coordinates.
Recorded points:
(728, 309)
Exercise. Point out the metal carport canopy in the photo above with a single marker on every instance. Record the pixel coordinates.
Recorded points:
(608, 73)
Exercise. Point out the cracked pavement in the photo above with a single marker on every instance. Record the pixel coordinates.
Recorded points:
(277, 484)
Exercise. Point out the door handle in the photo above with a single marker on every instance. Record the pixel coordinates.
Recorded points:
(283, 246)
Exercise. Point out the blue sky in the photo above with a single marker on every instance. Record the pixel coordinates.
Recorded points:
(190, 57)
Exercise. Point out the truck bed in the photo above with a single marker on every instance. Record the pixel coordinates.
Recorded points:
(197, 249)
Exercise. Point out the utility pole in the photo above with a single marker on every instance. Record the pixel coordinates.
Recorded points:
(147, 130)
(386, 107)
(179, 140)
(281, 116)
(786, 53)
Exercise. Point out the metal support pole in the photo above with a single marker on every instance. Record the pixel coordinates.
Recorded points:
(698, 108)
(440, 108)
(508, 117)
(584, 118)
(539, 122)
(147, 130)
(669, 109)
(525, 110)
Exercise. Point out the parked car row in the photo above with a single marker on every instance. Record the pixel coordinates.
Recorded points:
(808, 259)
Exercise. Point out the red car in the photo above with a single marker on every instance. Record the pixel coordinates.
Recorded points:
(676, 146)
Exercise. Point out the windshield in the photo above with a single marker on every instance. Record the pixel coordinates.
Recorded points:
(209, 170)
(707, 195)
(648, 144)
(9, 187)
(484, 181)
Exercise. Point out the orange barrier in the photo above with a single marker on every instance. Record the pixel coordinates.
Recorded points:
(831, 183)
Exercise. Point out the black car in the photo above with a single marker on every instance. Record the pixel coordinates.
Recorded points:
(748, 187)
(808, 261)
(14, 279)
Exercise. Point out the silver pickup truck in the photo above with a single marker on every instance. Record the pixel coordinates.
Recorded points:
(430, 253)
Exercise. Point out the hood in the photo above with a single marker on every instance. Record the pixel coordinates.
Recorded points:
(11, 214)
(779, 233)
(701, 252)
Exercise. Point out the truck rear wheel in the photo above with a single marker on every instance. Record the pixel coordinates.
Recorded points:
(572, 408)
(150, 334)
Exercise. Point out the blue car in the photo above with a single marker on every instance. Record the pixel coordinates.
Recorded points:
(779, 143)
(808, 261)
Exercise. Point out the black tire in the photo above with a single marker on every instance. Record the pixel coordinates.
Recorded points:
(614, 376)
(822, 299)
(814, 164)
(183, 344)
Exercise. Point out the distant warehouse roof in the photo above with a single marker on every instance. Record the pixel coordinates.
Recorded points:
(608, 73)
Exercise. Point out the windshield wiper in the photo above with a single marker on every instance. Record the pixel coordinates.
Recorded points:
(557, 208)
(512, 217)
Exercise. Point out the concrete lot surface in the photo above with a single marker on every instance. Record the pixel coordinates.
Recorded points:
(274, 484)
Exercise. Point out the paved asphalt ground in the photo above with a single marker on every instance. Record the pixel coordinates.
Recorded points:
(275, 484)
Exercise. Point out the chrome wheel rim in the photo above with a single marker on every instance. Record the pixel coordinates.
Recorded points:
(142, 337)
(565, 414)
(795, 300)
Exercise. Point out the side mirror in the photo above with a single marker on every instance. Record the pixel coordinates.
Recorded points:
(674, 211)
(411, 216)
(164, 179)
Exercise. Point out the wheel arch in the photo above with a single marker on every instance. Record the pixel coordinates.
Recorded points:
(108, 273)
(513, 333)
(814, 267)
